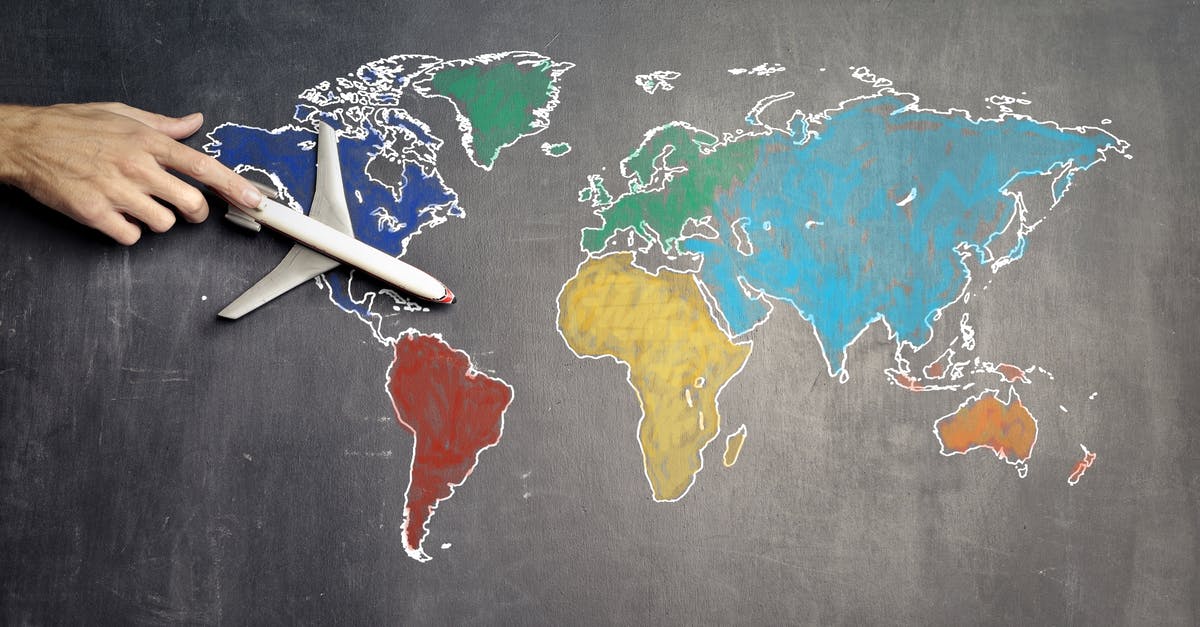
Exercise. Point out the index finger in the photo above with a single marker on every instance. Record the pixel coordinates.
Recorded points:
(210, 172)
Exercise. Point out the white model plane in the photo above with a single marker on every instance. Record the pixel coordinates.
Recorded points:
(325, 239)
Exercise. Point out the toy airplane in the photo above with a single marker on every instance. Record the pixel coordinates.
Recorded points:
(325, 241)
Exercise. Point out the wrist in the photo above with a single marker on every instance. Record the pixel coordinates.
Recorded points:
(13, 118)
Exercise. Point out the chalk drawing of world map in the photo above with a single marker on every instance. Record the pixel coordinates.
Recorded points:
(873, 211)
(395, 192)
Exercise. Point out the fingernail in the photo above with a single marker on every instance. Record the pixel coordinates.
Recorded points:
(251, 197)
(191, 116)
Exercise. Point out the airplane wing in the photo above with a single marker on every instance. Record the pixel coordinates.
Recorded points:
(329, 199)
(302, 263)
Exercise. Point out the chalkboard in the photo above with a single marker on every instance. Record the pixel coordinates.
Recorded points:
(161, 466)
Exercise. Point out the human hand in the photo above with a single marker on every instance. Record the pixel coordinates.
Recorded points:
(105, 165)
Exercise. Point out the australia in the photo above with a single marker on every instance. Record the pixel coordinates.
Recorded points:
(984, 421)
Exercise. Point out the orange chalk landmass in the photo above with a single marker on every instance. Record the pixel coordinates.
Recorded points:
(939, 367)
(908, 382)
(905, 381)
(913, 384)
(1081, 466)
(984, 421)
(1011, 373)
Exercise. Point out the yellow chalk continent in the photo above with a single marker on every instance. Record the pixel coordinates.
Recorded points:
(678, 359)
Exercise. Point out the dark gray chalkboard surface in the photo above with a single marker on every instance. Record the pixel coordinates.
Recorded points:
(161, 466)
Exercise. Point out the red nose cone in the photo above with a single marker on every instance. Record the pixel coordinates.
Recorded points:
(448, 298)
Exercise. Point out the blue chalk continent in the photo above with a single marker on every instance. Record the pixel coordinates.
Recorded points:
(383, 215)
(871, 218)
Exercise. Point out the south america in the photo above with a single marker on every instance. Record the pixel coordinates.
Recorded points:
(453, 411)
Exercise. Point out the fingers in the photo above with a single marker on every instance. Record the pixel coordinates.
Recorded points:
(175, 128)
(108, 164)
(181, 128)
(186, 199)
(209, 171)
(117, 227)
(182, 159)
(149, 212)
(120, 219)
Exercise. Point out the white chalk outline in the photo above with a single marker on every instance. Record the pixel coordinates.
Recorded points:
(658, 79)
(637, 393)
(884, 88)
(1022, 465)
(729, 438)
(418, 552)
(365, 101)
(541, 115)
(548, 149)
(762, 69)
(395, 189)
(1081, 466)
(1119, 146)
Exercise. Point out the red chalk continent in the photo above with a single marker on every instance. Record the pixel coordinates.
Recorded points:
(453, 411)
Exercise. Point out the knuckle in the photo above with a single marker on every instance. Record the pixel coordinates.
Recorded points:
(90, 212)
(199, 165)
(148, 139)
(129, 166)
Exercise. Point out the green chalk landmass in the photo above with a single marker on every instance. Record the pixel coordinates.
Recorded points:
(595, 192)
(698, 167)
(556, 150)
(685, 142)
(499, 98)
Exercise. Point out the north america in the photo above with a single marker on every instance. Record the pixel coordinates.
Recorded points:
(395, 192)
